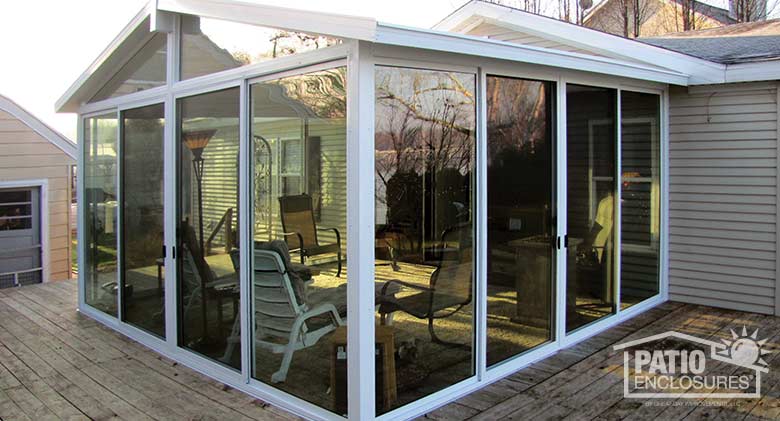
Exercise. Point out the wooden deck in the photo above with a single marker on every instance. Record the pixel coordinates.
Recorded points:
(57, 364)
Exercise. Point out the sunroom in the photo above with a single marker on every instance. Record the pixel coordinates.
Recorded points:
(353, 219)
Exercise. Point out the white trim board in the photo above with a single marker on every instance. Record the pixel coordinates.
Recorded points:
(34, 123)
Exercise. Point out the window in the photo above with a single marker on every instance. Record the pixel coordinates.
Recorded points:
(208, 143)
(591, 189)
(146, 69)
(211, 45)
(640, 197)
(16, 210)
(520, 214)
(300, 234)
(100, 212)
(424, 158)
(141, 201)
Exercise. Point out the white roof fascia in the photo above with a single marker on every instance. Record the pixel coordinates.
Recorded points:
(701, 71)
(33, 122)
(750, 72)
(320, 23)
(490, 48)
(64, 104)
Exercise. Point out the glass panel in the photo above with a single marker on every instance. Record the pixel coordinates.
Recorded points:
(520, 173)
(211, 45)
(425, 135)
(15, 211)
(591, 132)
(640, 219)
(144, 70)
(143, 274)
(301, 279)
(15, 196)
(100, 213)
(208, 218)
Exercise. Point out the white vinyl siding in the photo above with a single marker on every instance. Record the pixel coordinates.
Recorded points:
(723, 196)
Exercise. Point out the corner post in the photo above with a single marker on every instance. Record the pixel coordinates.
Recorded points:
(360, 232)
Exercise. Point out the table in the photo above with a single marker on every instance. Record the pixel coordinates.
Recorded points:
(534, 278)
(386, 390)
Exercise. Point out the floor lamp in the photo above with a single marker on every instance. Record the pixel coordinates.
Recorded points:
(196, 142)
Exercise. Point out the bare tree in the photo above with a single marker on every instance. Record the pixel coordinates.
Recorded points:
(751, 10)
(629, 15)
(684, 15)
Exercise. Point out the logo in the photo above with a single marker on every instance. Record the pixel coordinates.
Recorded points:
(678, 365)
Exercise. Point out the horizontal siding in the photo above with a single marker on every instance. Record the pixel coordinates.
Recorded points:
(723, 196)
(26, 155)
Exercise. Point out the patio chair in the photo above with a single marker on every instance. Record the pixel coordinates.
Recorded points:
(298, 221)
(195, 269)
(448, 291)
(281, 316)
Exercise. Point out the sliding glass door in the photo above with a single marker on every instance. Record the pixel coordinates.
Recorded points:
(142, 260)
(520, 216)
(424, 162)
(207, 218)
(591, 165)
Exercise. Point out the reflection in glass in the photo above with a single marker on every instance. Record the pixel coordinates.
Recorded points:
(143, 274)
(640, 218)
(100, 212)
(520, 227)
(211, 45)
(591, 132)
(424, 158)
(144, 70)
(300, 226)
(208, 135)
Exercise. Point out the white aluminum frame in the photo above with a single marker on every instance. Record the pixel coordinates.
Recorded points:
(361, 57)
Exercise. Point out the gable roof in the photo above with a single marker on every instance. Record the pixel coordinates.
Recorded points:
(477, 11)
(740, 43)
(34, 123)
(156, 16)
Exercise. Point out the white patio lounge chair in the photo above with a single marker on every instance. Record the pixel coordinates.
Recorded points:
(281, 322)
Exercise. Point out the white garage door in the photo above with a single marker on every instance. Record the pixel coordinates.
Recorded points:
(20, 237)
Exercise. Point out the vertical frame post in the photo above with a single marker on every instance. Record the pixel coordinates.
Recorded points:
(480, 284)
(618, 208)
(360, 232)
(664, 167)
(561, 231)
(171, 286)
(81, 217)
(245, 228)
(120, 253)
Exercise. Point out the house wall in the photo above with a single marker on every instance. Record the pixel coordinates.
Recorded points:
(723, 211)
(26, 155)
(659, 18)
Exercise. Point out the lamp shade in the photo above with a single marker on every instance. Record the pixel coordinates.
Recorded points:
(198, 139)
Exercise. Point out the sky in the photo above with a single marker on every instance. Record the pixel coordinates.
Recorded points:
(47, 44)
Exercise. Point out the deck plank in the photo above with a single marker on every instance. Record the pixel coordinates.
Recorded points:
(58, 364)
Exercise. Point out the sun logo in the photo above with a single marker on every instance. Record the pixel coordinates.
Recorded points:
(745, 350)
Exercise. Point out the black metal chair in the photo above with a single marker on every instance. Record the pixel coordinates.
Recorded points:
(298, 222)
(449, 288)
